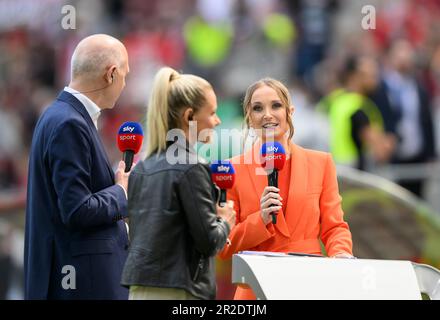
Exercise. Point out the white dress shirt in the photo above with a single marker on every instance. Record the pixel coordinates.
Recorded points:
(92, 109)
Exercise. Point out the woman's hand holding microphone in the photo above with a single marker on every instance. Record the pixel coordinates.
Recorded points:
(270, 197)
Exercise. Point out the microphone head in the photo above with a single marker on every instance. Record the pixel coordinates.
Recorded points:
(223, 174)
(130, 137)
(273, 156)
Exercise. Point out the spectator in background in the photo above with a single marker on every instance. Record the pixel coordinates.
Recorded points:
(312, 128)
(380, 98)
(313, 19)
(412, 111)
(356, 124)
(208, 37)
(434, 79)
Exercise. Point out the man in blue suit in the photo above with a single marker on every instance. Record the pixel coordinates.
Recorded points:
(76, 239)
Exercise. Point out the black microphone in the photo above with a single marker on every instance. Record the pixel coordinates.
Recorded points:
(274, 157)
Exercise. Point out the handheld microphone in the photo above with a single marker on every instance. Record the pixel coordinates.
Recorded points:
(223, 175)
(274, 157)
(130, 136)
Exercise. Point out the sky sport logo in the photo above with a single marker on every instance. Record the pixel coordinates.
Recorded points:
(272, 149)
(223, 169)
(223, 178)
(272, 154)
(271, 157)
(127, 137)
(128, 128)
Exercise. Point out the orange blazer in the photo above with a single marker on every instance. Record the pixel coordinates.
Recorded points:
(313, 209)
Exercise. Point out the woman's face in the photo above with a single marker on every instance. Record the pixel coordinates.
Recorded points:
(207, 118)
(268, 114)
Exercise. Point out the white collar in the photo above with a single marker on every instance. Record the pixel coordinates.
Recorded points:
(92, 109)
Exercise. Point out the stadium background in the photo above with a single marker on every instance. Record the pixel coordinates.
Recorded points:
(231, 43)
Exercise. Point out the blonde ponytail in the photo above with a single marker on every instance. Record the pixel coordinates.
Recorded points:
(157, 114)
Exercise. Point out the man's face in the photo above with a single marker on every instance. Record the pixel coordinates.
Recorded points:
(369, 73)
(402, 57)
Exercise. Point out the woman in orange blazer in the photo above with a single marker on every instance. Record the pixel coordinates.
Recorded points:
(307, 203)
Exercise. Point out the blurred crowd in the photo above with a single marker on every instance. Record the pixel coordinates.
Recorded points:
(389, 75)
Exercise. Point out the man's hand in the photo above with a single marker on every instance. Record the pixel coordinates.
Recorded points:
(121, 177)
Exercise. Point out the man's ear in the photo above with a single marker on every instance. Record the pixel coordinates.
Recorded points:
(109, 75)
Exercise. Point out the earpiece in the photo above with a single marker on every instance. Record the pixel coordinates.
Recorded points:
(108, 85)
(190, 117)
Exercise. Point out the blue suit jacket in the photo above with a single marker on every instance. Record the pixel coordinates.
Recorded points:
(74, 210)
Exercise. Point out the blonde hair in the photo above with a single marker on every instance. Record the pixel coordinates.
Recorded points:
(282, 92)
(171, 93)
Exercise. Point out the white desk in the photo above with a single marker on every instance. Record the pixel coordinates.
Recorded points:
(293, 277)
